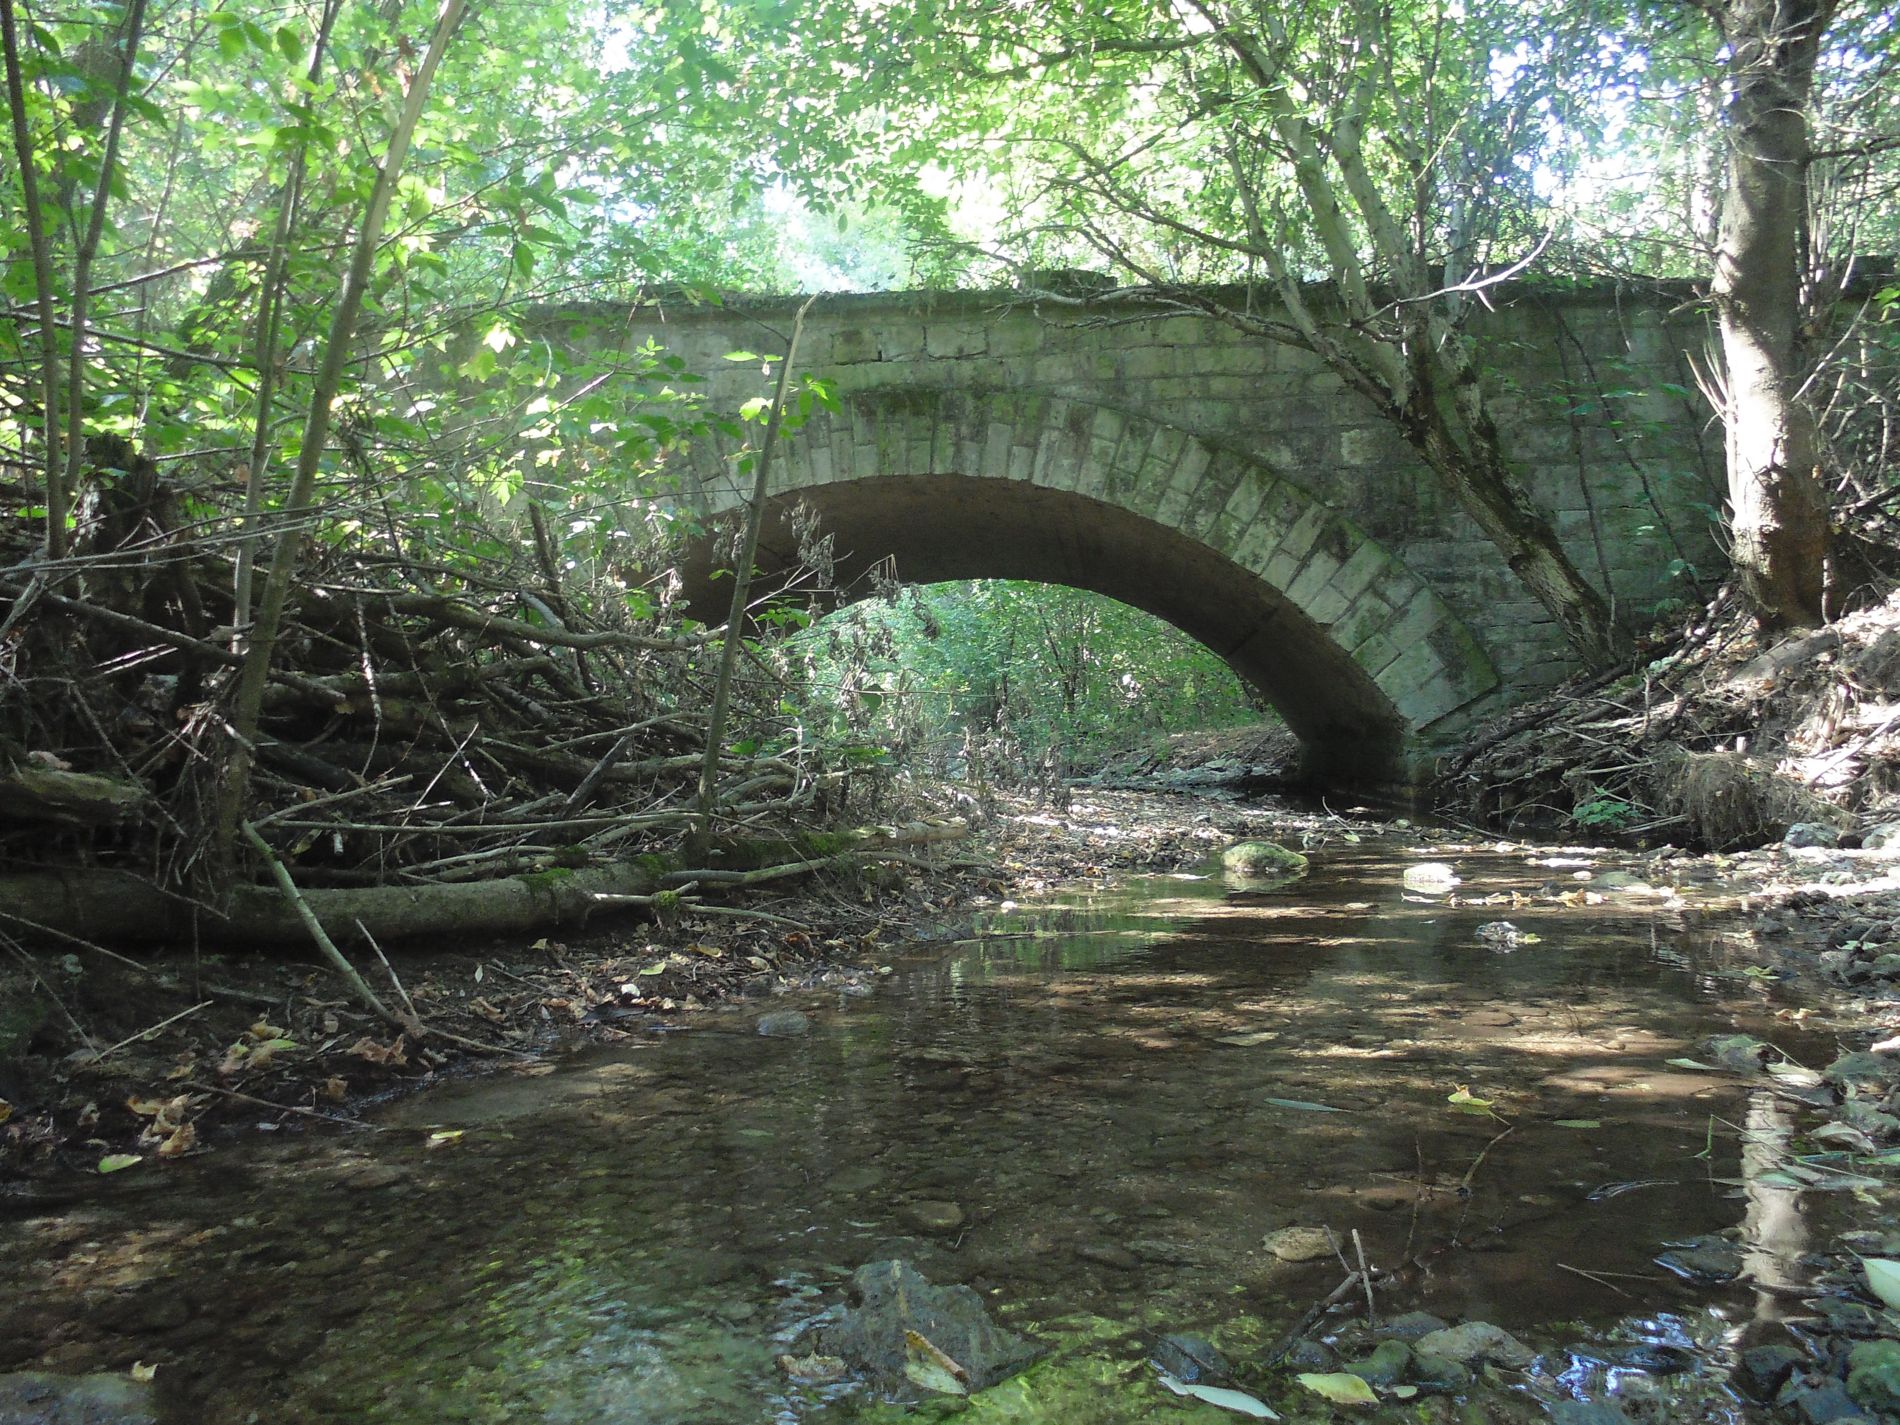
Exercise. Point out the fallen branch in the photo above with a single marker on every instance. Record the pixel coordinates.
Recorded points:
(343, 967)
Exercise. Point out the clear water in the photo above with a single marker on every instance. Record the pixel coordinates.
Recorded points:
(1117, 1091)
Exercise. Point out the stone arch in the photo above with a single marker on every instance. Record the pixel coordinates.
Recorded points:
(1360, 657)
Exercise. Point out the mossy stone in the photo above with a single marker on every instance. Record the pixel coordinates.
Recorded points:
(1386, 1366)
(1873, 1374)
(1262, 860)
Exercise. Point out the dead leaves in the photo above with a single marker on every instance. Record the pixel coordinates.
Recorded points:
(259, 1046)
(170, 1128)
(392, 1056)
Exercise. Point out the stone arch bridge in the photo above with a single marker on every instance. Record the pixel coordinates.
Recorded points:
(1230, 485)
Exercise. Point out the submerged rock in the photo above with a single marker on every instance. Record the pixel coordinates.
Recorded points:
(1873, 1374)
(1500, 935)
(1764, 1369)
(1864, 1071)
(1190, 1359)
(1411, 1326)
(784, 1024)
(1476, 1343)
(932, 1215)
(893, 1302)
(1706, 1261)
(1818, 1402)
(39, 1398)
(1262, 860)
(1386, 1366)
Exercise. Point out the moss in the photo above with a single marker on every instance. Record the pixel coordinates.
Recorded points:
(545, 882)
(1262, 860)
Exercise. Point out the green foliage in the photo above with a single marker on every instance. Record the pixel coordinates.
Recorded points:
(1025, 679)
(1602, 812)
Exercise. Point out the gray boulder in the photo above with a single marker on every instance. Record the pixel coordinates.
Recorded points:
(891, 1301)
(38, 1398)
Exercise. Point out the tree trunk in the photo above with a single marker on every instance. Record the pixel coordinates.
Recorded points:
(1777, 499)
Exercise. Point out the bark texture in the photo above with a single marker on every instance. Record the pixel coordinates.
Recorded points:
(1777, 498)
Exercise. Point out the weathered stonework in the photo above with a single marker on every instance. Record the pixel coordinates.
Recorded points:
(1231, 486)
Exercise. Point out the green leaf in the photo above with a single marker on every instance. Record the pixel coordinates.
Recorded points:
(1883, 1276)
(290, 44)
(114, 1162)
(1577, 1123)
(1236, 1400)
(1340, 1387)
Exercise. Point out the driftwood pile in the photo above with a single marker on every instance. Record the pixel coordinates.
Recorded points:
(445, 746)
(1719, 740)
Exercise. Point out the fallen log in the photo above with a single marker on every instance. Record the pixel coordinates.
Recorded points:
(47, 794)
(116, 906)
(119, 907)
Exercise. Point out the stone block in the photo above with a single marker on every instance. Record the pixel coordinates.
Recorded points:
(996, 443)
(1363, 620)
(900, 341)
(1362, 567)
(851, 346)
(1015, 336)
(1226, 496)
(1315, 572)
(1326, 606)
(956, 340)
(1145, 363)
(1375, 655)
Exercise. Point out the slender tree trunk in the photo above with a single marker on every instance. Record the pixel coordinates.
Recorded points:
(1777, 499)
(288, 552)
(88, 248)
(43, 285)
(741, 589)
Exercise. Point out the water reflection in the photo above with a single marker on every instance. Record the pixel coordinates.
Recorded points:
(1099, 1111)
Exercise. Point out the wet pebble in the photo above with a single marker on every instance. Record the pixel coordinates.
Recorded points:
(1823, 1401)
(783, 1024)
(1477, 1343)
(1706, 1261)
(1386, 1366)
(1190, 1359)
(1764, 1369)
(1411, 1326)
(1309, 1355)
(363, 1177)
(932, 1215)
(855, 1180)
(1300, 1244)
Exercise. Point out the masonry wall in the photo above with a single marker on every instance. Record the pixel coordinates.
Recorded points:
(1591, 388)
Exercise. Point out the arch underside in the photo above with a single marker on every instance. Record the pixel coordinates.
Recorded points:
(1355, 653)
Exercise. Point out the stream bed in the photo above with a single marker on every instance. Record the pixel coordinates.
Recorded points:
(1104, 1112)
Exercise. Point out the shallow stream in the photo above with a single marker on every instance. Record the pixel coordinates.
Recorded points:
(1096, 1112)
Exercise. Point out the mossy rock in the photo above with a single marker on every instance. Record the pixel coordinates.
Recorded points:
(1262, 861)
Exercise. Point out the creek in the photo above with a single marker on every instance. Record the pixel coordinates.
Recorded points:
(1098, 1111)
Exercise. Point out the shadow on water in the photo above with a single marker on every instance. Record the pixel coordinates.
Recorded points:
(1097, 1112)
